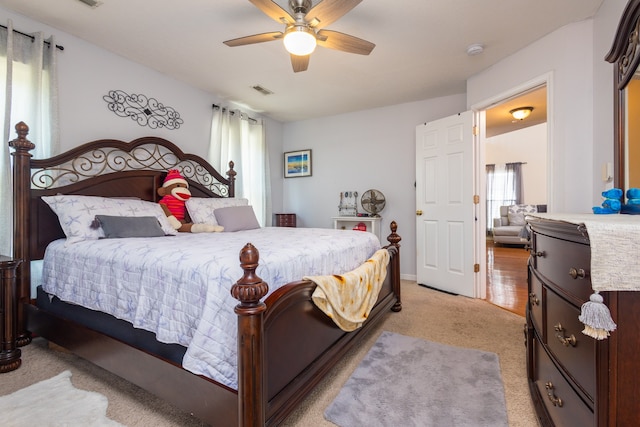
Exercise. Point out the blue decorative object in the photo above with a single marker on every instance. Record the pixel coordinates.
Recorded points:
(612, 193)
(632, 207)
(633, 193)
(612, 203)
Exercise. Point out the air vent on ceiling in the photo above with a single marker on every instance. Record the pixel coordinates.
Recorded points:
(91, 3)
(262, 90)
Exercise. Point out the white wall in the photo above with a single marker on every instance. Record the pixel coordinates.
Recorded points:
(359, 151)
(87, 73)
(527, 145)
(567, 54)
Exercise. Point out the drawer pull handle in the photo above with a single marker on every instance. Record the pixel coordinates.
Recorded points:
(551, 395)
(541, 254)
(533, 299)
(577, 273)
(566, 341)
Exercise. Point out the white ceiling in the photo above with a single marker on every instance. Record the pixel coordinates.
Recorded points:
(420, 48)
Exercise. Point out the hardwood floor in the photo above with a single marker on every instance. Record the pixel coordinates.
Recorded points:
(507, 277)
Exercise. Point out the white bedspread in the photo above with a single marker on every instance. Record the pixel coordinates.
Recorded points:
(179, 286)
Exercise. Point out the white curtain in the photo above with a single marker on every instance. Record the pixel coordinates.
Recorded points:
(504, 188)
(238, 138)
(29, 92)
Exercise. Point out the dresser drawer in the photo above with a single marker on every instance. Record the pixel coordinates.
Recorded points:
(573, 350)
(562, 403)
(535, 302)
(556, 259)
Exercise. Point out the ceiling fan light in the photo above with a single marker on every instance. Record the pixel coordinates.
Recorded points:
(300, 41)
(521, 113)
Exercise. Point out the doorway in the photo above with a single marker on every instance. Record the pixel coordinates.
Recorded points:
(505, 139)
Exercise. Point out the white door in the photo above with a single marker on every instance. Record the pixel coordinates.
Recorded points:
(445, 209)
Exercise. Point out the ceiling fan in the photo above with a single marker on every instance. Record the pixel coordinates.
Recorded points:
(304, 29)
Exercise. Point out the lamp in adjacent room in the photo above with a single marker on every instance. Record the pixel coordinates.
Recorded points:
(521, 113)
(299, 40)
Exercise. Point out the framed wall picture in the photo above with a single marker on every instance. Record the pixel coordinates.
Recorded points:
(297, 164)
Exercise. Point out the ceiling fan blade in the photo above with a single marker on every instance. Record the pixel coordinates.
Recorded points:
(329, 11)
(256, 38)
(300, 63)
(344, 42)
(274, 11)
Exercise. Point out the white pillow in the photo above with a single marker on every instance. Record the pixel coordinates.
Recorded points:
(77, 214)
(517, 213)
(201, 208)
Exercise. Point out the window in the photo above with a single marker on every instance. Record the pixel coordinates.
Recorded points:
(239, 138)
(504, 188)
(29, 88)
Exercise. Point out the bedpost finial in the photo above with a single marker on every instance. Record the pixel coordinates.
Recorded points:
(394, 238)
(22, 129)
(21, 142)
(249, 256)
(231, 173)
(250, 289)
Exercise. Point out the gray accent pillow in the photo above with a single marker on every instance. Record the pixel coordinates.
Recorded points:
(127, 226)
(237, 218)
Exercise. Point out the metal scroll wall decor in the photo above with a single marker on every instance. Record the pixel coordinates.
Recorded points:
(143, 110)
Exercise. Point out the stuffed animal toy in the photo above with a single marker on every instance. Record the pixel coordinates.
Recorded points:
(175, 192)
(633, 196)
(612, 202)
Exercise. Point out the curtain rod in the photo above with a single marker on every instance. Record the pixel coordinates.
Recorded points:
(232, 112)
(508, 163)
(30, 36)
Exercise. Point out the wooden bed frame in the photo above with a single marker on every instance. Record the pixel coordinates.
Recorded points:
(286, 345)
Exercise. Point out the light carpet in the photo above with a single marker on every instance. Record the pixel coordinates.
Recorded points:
(55, 402)
(405, 381)
(426, 314)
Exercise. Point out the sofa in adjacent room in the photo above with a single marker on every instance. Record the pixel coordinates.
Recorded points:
(509, 228)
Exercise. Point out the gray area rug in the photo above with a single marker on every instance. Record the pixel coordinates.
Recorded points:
(55, 402)
(405, 381)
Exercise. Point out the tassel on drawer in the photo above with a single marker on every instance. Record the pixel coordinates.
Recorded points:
(596, 318)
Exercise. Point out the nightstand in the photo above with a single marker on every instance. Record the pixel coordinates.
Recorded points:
(9, 351)
(285, 220)
(348, 222)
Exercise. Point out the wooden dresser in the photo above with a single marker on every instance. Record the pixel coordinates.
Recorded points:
(575, 380)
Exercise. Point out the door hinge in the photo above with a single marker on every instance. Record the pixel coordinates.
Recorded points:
(476, 199)
(475, 130)
(476, 268)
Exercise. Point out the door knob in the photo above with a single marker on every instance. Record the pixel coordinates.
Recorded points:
(418, 212)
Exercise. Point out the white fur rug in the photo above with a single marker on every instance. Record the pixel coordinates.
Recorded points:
(55, 402)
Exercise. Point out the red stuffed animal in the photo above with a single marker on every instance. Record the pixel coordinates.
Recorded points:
(175, 192)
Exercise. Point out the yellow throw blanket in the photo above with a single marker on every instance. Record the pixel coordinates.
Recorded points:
(349, 298)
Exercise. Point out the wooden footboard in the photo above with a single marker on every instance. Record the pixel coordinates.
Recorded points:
(286, 345)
